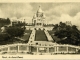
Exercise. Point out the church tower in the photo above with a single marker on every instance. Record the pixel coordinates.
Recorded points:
(39, 17)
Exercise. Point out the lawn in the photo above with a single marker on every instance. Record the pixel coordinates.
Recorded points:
(26, 35)
(40, 36)
(6, 40)
(55, 38)
(11, 41)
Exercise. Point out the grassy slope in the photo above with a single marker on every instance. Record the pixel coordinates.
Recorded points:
(40, 36)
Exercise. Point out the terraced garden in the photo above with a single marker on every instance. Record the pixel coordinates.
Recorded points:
(40, 36)
(54, 37)
(26, 35)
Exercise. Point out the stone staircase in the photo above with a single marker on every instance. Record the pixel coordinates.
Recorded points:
(32, 36)
(48, 36)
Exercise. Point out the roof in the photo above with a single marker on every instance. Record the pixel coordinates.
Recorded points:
(39, 10)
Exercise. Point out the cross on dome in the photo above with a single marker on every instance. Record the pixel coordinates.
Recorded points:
(39, 6)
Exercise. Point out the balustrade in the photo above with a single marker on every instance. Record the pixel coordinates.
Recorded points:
(27, 48)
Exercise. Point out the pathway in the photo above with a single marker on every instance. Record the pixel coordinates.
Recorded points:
(32, 36)
(48, 35)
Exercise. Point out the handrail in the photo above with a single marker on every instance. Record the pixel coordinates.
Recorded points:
(56, 45)
(20, 48)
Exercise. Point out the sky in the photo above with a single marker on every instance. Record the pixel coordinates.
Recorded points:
(55, 12)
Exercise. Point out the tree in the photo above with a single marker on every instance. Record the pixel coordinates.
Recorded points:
(15, 31)
(8, 21)
(68, 34)
(4, 22)
(4, 38)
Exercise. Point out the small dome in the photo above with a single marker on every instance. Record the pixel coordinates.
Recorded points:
(34, 16)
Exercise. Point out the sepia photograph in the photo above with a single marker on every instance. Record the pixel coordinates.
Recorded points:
(37, 28)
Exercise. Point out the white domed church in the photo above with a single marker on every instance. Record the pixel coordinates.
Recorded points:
(38, 18)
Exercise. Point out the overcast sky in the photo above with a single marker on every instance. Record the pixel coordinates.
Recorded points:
(54, 12)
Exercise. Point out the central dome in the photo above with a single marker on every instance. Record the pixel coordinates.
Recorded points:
(39, 10)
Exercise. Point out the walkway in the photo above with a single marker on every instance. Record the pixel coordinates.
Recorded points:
(48, 35)
(32, 36)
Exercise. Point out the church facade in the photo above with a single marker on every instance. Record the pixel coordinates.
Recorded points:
(38, 18)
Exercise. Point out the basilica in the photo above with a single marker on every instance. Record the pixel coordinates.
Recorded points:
(38, 18)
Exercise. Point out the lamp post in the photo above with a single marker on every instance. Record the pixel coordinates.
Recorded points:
(37, 48)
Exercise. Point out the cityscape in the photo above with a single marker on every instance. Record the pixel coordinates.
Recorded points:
(48, 29)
